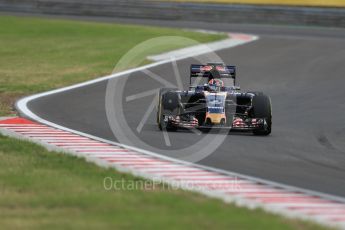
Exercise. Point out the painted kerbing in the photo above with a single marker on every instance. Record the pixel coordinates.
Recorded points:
(230, 187)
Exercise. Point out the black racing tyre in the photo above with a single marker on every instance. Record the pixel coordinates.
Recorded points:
(168, 101)
(159, 105)
(171, 102)
(262, 109)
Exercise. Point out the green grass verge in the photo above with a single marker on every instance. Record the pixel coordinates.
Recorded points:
(45, 190)
(39, 54)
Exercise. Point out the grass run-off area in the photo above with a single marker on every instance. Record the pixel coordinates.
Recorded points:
(317, 3)
(47, 190)
(40, 54)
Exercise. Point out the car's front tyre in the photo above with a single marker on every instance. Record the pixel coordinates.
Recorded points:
(168, 103)
(262, 109)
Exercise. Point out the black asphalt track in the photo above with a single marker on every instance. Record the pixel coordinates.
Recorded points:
(301, 69)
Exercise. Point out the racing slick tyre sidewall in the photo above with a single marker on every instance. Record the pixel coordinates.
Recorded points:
(167, 99)
(262, 109)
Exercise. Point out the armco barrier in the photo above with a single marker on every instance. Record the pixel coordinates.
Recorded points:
(145, 9)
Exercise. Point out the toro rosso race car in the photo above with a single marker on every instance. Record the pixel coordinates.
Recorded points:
(214, 101)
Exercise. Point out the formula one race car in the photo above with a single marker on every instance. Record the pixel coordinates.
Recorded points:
(216, 103)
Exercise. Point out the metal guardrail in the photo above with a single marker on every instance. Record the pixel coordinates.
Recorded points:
(146, 9)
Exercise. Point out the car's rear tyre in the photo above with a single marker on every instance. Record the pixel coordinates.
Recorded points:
(262, 109)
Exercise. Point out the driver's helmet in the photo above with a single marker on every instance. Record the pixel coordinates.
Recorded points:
(215, 85)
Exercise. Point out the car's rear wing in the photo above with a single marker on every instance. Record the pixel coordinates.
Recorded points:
(212, 71)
